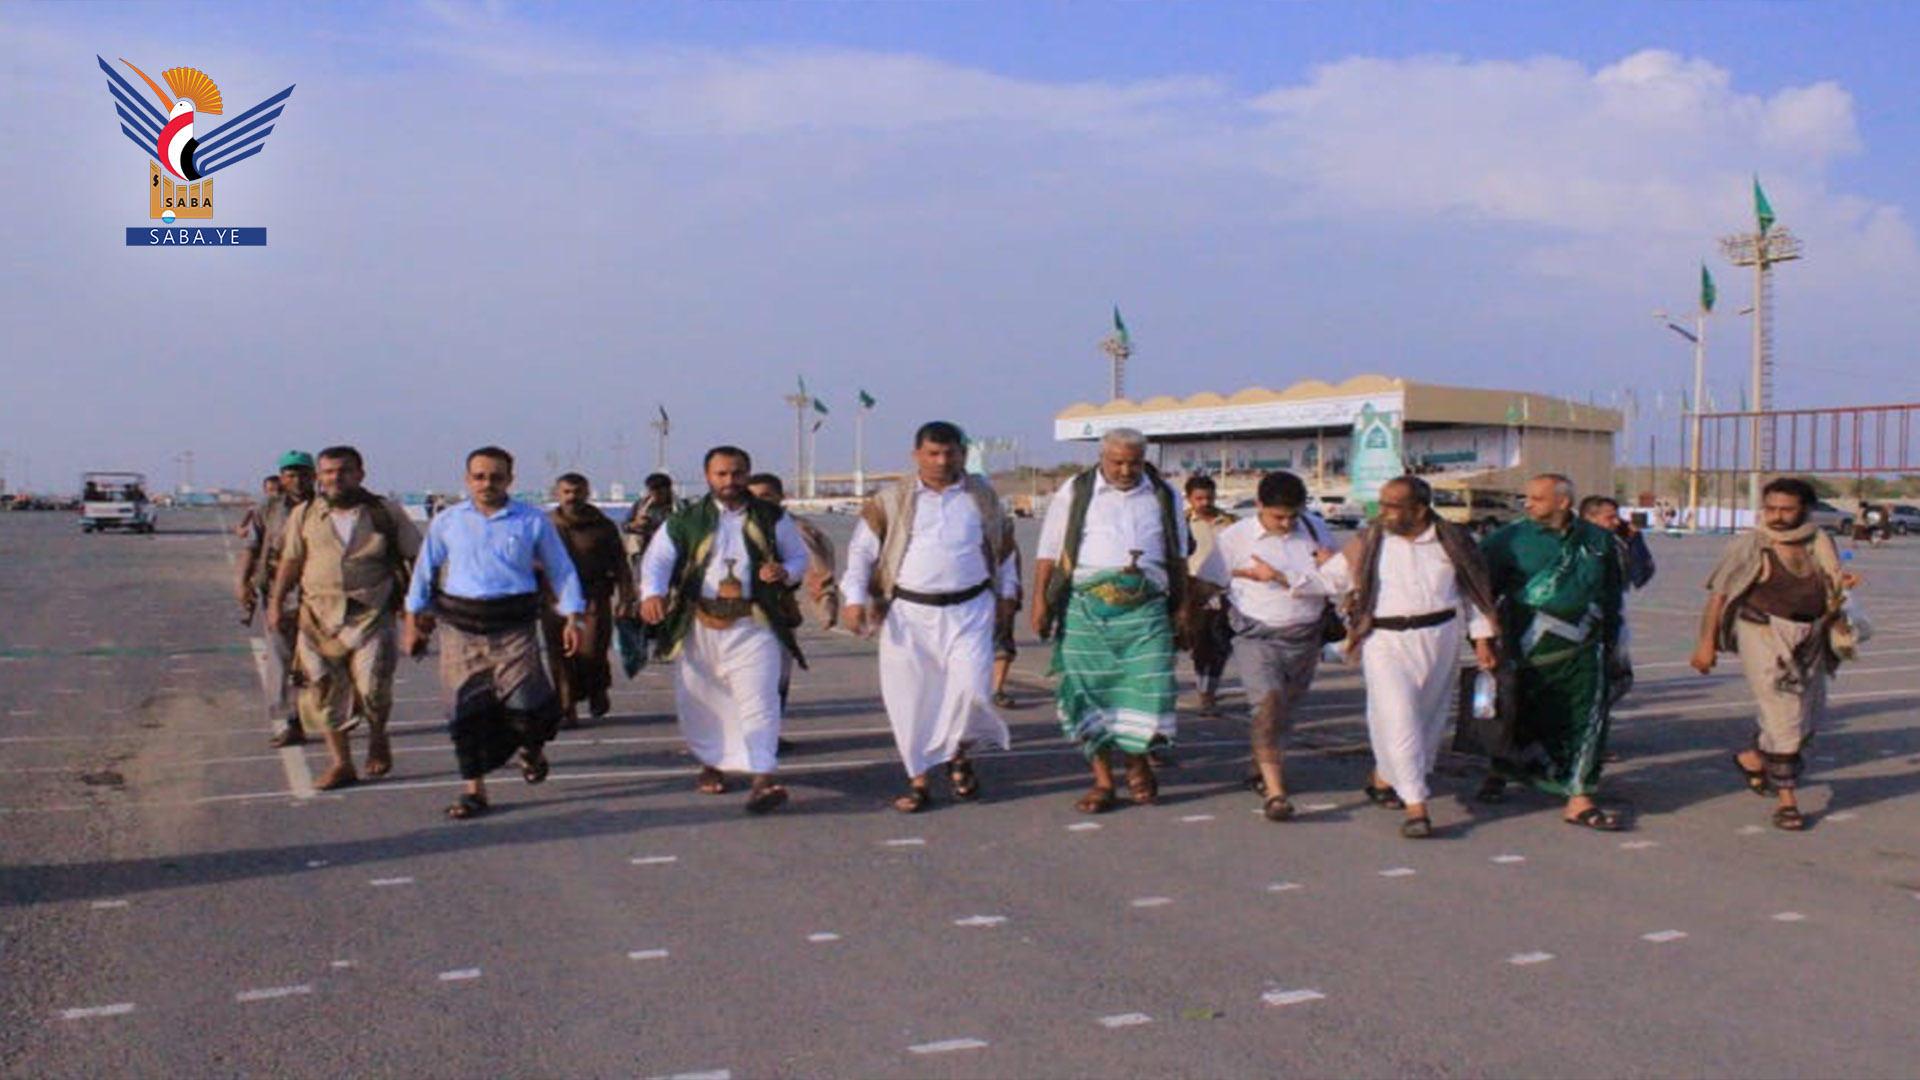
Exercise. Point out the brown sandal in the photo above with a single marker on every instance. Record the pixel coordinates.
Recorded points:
(1097, 801)
(917, 798)
(1789, 819)
(1141, 783)
(711, 782)
(765, 798)
(467, 806)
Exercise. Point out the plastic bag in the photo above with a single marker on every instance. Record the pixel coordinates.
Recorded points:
(630, 641)
(1485, 696)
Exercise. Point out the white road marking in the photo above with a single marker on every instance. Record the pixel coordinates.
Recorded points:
(273, 992)
(907, 841)
(102, 905)
(1316, 808)
(1845, 815)
(315, 864)
(1153, 901)
(1120, 1020)
(1789, 916)
(654, 860)
(1398, 871)
(293, 761)
(647, 954)
(1639, 845)
(1291, 997)
(65, 690)
(1283, 886)
(342, 964)
(1750, 830)
(1661, 937)
(1524, 958)
(822, 937)
(389, 882)
(459, 974)
(947, 1046)
(26, 712)
(1197, 817)
(1507, 860)
(1083, 826)
(710, 1074)
(91, 1011)
(981, 920)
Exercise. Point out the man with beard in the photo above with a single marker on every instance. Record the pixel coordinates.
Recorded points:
(267, 528)
(649, 512)
(493, 551)
(349, 550)
(1212, 637)
(717, 579)
(1279, 631)
(1413, 579)
(1773, 599)
(1558, 581)
(600, 562)
(930, 569)
(1108, 578)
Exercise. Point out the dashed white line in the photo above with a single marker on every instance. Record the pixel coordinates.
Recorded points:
(459, 974)
(981, 920)
(121, 1009)
(315, 864)
(1398, 871)
(1191, 818)
(1153, 901)
(1283, 886)
(1789, 916)
(1844, 815)
(341, 964)
(823, 937)
(1750, 830)
(1661, 937)
(1315, 808)
(1508, 860)
(946, 1046)
(1084, 826)
(389, 882)
(103, 905)
(1522, 959)
(1638, 845)
(272, 992)
(1120, 1020)
(648, 954)
(906, 841)
(1291, 997)
(710, 1074)
(654, 860)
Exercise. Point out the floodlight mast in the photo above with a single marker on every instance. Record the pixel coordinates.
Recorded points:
(1761, 250)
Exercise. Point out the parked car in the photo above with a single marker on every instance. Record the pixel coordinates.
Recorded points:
(1480, 509)
(1904, 519)
(1340, 512)
(1830, 517)
(115, 500)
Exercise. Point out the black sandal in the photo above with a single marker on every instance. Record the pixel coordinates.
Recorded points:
(467, 806)
(1594, 818)
(1384, 796)
(1097, 801)
(766, 798)
(1756, 778)
(1417, 828)
(966, 785)
(1278, 808)
(1789, 818)
(916, 799)
(534, 766)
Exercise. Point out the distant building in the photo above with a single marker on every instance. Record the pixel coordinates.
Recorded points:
(1346, 439)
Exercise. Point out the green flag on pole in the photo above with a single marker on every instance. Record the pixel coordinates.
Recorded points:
(1762, 210)
(866, 400)
(1120, 327)
(819, 406)
(1707, 292)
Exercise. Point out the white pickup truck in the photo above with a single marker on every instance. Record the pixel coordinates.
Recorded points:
(115, 500)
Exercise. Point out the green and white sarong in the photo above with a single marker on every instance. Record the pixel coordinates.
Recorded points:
(1115, 662)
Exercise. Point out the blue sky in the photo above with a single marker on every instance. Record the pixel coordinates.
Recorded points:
(533, 224)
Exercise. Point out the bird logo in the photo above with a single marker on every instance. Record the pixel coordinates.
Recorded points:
(169, 137)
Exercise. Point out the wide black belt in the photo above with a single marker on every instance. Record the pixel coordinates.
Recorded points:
(940, 599)
(488, 616)
(1414, 622)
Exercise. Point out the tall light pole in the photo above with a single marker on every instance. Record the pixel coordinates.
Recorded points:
(801, 401)
(860, 444)
(662, 427)
(1119, 349)
(1761, 249)
(1698, 336)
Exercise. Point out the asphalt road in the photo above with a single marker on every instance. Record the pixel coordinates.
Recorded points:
(175, 903)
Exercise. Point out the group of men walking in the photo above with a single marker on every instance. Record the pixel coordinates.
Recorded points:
(1125, 578)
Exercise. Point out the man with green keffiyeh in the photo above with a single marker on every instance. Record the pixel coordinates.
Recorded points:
(1109, 578)
(1558, 582)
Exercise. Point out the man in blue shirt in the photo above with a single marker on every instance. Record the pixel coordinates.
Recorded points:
(477, 571)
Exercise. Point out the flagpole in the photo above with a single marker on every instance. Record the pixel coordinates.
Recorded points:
(813, 446)
(860, 453)
(1699, 402)
(799, 400)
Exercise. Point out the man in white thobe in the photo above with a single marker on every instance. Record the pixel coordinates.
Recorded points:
(1278, 632)
(931, 568)
(1419, 587)
(717, 578)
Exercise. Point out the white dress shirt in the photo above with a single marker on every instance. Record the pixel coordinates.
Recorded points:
(1118, 522)
(729, 542)
(1415, 578)
(1268, 602)
(945, 553)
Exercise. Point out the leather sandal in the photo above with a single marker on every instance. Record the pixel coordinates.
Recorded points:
(765, 798)
(534, 766)
(1278, 808)
(1756, 778)
(1417, 828)
(1789, 819)
(1098, 800)
(1384, 796)
(917, 798)
(711, 782)
(1595, 818)
(966, 785)
(468, 805)
(1142, 785)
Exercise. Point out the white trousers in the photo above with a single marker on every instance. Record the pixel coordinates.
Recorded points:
(726, 686)
(1411, 677)
(936, 677)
